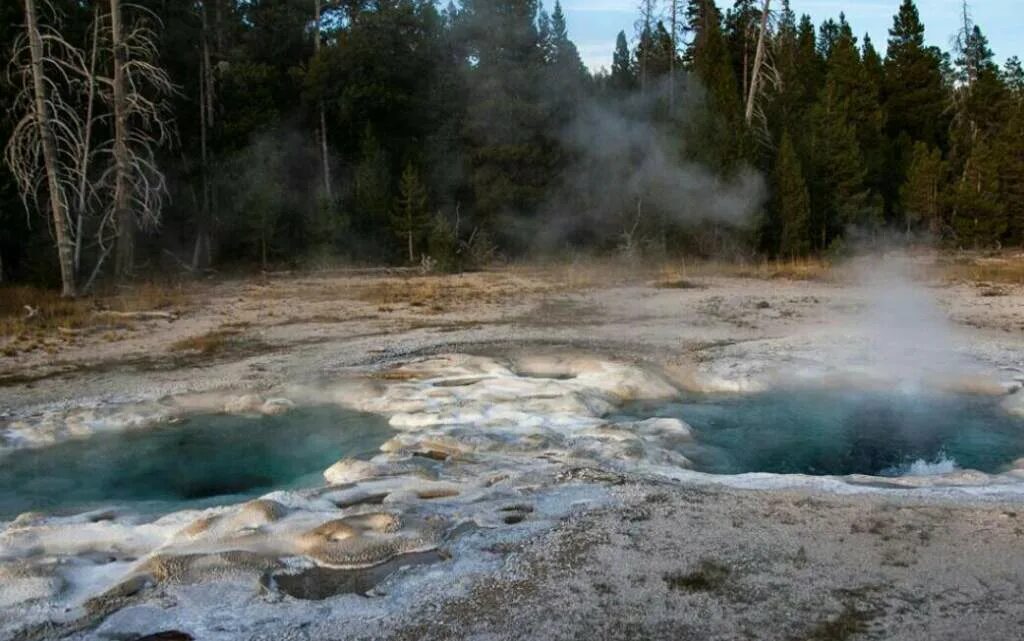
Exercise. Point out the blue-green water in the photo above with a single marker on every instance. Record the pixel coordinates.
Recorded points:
(847, 432)
(201, 460)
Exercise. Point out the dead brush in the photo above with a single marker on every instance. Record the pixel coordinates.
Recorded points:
(29, 315)
(439, 294)
(208, 344)
(1007, 269)
(683, 274)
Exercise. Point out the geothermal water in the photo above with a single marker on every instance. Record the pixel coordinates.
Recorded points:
(202, 460)
(839, 432)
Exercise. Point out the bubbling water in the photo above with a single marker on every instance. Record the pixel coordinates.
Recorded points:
(839, 432)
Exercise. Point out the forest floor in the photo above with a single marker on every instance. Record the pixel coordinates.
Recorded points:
(668, 560)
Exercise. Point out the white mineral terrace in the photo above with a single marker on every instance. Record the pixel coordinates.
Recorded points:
(487, 451)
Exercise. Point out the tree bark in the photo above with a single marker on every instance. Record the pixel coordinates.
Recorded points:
(206, 117)
(323, 115)
(125, 259)
(83, 175)
(755, 75)
(672, 62)
(58, 208)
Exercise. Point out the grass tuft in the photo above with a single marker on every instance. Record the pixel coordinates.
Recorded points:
(708, 576)
(848, 623)
(208, 344)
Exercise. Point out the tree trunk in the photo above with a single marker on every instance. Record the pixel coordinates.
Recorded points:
(205, 122)
(87, 145)
(125, 259)
(755, 74)
(672, 62)
(323, 115)
(412, 256)
(58, 208)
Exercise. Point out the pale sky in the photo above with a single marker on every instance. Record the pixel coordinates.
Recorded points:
(593, 24)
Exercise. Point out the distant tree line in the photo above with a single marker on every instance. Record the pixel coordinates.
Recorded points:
(214, 133)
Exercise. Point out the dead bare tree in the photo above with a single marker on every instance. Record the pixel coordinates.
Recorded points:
(323, 113)
(201, 249)
(645, 31)
(755, 73)
(46, 143)
(141, 124)
(674, 26)
(96, 190)
(86, 152)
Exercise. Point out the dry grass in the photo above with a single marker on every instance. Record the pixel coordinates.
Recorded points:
(50, 310)
(1005, 269)
(708, 576)
(33, 318)
(681, 275)
(209, 343)
(439, 294)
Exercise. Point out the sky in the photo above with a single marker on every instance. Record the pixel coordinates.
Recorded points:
(593, 24)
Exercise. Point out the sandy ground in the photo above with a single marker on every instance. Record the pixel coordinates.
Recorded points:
(687, 563)
(670, 560)
(277, 330)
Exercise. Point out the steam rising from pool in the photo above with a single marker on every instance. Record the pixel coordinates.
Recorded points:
(905, 336)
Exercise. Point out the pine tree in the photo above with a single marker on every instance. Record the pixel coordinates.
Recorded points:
(914, 92)
(786, 103)
(915, 98)
(855, 88)
(810, 67)
(979, 215)
(791, 201)
(545, 39)
(920, 194)
(872, 64)
(567, 57)
(1013, 77)
(507, 125)
(981, 105)
(623, 77)
(372, 187)
(720, 136)
(655, 47)
(1010, 152)
(409, 214)
(982, 96)
(828, 34)
(839, 194)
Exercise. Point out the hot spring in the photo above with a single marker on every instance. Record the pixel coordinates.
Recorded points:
(837, 432)
(203, 460)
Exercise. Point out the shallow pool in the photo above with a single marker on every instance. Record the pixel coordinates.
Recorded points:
(848, 432)
(202, 460)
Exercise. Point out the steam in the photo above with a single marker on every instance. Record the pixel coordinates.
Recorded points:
(907, 339)
(628, 168)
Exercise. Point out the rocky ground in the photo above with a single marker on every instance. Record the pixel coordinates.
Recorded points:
(579, 529)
